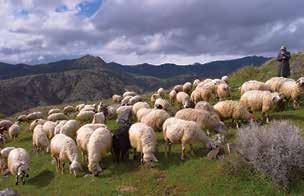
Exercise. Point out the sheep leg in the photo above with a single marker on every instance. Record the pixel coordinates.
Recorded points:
(166, 149)
(62, 169)
(295, 104)
(183, 151)
(134, 154)
(23, 180)
(17, 179)
(192, 150)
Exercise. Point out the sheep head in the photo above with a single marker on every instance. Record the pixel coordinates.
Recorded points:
(75, 168)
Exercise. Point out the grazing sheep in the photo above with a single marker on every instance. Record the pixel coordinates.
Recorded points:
(172, 96)
(195, 96)
(68, 110)
(59, 125)
(291, 89)
(161, 103)
(178, 88)
(254, 85)
(22, 118)
(99, 118)
(137, 106)
(204, 105)
(112, 110)
(18, 162)
(195, 83)
(14, 130)
(35, 123)
(155, 119)
(202, 93)
(143, 139)
(57, 116)
(232, 110)
(40, 140)
(49, 128)
(225, 79)
(70, 128)
(125, 100)
(82, 140)
(116, 98)
(91, 126)
(187, 87)
(53, 111)
(135, 99)
(34, 116)
(263, 101)
(206, 120)
(222, 91)
(122, 109)
(5, 124)
(80, 107)
(161, 92)
(100, 143)
(3, 158)
(121, 143)
(85, 116)
(275, 83)
(183, 99)
(206, 81)
(129, 93)
(185, 132)
(64, 148)
(91, 107)
(142, 112)
(153, 98)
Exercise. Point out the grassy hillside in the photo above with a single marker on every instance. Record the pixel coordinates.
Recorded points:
(195, 176)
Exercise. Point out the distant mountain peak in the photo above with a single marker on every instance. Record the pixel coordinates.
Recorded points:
(91, 60)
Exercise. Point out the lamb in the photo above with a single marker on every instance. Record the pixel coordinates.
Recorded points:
(57, 116)
(195, 83)
(142, 112)
(18, 162)
(155, 119)
(260, 101)
(172, 96)
(134, 100)
(68, 110)
(5, 124)
(178, 88)
(100, 143)
(125, 100)
(187, 87)
(49, 128)
(143, 139)
(85, 116)
(121, 143)
(205, 119)
(137, 106)
(153, 98)
(70, 128)
(99, 118)
(3, 158)
(185, 132)
(232, 110)
(64, 148)
(53, 111)
(35, 123)
(14, 130)
(34, 116)
(183, 99)
(161, 92)
(129, 93)
(161, 103)
(291, 89)
(116, 98)
(254, 85)
(40, 140)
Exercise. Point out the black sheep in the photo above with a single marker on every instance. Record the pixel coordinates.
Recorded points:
(121, 143)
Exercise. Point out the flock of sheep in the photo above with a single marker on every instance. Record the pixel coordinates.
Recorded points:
(83, 128)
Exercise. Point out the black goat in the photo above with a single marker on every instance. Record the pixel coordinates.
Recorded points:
(121, 143)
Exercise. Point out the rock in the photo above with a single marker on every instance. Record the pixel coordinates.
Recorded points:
(8, 192)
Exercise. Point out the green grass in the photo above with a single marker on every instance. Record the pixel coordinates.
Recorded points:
(195, 176)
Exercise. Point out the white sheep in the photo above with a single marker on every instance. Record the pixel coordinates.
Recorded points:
(135, 99)
(58, 126)
(100, 143)
(70, 128)
(22, 118)
(137, 106)
(178, 88)
(64, 148)
(225, 79)
(275, 83)
(185, 132)
(57, 116)
(14, 130)
(79, 107)
(153, 98)
(125, 100)
(254, 85)
(99, 118)
(161, 92)
(187, 87)
(129, 93)
(89, 107)
(232, 110)
(18, 162)
(204, 105)
(35, 123)
(116, 98)
(122, 109)
(143, 139)
(40, 140)
(53, 111)
(172, 96)
(34, 116)
(3, 158)
(85, 116)
(68, 109)
(142, 112)
(49, 128)
(155, 119)
(82, 139)
(222, 91)
(5, 124)
(161, 103)
(263, 101)
(202, 92)
(183, 99)
(195, 83)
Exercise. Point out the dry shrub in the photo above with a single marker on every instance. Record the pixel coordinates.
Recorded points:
(276, 150)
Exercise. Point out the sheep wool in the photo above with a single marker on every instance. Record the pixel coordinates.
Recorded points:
(116, 98)
(99, 118)
(53, 111)
(18, 162)
(14, 130)
(161, 103)
(172, 96)
(137, 106)
(155, 119)
(187, 87)
(254, 85)
(70, 128)
(40, 139)
(57, 116)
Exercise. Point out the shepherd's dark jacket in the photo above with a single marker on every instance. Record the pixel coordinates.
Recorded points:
(284, 67)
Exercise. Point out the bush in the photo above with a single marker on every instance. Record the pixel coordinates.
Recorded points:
(276, 150)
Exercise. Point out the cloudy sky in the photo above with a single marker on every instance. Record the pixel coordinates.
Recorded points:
(153, 31)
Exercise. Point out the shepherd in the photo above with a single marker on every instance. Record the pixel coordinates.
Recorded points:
(284, 67)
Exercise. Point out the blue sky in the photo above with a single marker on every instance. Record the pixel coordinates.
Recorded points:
(152, 31)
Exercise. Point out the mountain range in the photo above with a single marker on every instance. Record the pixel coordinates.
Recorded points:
(87, 78)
